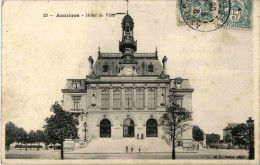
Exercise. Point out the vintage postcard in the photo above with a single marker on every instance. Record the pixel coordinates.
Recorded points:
(130, 82)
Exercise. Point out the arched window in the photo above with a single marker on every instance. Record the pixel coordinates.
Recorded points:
(105, 128)
(128, 128)
(151, 128)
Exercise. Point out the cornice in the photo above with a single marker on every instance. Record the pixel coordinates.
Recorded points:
(183, 90)
(74, 90)
(127, 82)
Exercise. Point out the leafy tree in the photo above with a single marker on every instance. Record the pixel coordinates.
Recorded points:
(10, 134)
(197, 133)
(227, 138)
(39, 137)
(21, 136)
(240, 135)
(46, 140)
(60, 125)
(212, 138)
(32, 137)
(175, 120)
(25, 139)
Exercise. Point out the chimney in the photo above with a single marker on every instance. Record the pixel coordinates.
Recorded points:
(91, 61)
(164, 61)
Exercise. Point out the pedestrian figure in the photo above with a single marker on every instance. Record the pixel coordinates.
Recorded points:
(139, 149)
(138, 136)
(142, 135)
(132, 148)
(126, 148)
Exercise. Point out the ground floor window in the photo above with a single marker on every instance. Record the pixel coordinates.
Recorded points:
(105, 128)
(128, 128)
(151, 128)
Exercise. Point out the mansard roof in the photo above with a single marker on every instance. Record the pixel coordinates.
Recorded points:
(231, 125)
(142, 62)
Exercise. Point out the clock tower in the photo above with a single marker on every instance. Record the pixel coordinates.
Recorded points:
(127, 46)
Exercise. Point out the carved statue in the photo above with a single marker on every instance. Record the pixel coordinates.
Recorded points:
(162, 99)
(93, 100)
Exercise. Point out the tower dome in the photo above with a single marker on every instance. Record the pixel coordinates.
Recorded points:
(127, 18)
(127, 46)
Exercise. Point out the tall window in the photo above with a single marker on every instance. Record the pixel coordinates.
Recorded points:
(76, 104)
(128, 99)
(76, 117)
(104, 99)
(139, 98)
(117, 99)
(179, 101)
(151, 98)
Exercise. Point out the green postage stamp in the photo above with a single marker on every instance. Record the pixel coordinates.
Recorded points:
(240, 14)
(209, 15)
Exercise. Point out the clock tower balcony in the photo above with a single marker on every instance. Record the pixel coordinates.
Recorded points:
(127, 42)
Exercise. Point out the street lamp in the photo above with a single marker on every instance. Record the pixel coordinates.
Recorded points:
(85, 130)
(250, 124)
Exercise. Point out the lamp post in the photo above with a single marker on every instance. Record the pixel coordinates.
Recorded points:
(250, 124)
(85, 130)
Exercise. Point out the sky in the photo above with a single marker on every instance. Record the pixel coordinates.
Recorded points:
(40, 53)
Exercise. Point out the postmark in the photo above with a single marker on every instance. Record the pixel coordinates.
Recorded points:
(204, 15)
(240, 15)
(210, 15)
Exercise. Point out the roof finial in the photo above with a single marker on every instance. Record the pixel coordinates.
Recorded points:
(156, 52)
(127, 7)
(98, 51)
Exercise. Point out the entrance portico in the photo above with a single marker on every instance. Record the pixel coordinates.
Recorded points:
(128, 128)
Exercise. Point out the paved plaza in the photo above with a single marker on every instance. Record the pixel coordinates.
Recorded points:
(107, 148)
(55, 154)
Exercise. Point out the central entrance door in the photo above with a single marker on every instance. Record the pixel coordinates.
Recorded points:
(105, 128)
(151, 128)
(128, 128)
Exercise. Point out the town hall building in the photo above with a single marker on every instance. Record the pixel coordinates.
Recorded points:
(125, 93)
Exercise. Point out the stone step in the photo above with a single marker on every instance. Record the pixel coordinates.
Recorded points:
(108, 145)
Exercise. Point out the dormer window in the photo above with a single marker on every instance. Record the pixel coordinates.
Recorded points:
(150, 68)
(76, 85)
(105, 68)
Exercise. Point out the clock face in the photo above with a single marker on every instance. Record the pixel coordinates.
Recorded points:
(128, 71)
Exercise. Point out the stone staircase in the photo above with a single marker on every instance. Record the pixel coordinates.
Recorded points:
(109, 145)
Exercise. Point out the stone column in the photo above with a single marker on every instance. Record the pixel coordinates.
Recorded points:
(158, 97)
(145, 98)
(166, 95)
(98, 97)
(134, 98)
(123, 97)
(111, 98)
(88, 97)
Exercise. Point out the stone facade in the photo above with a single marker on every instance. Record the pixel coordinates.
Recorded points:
(125, 93)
